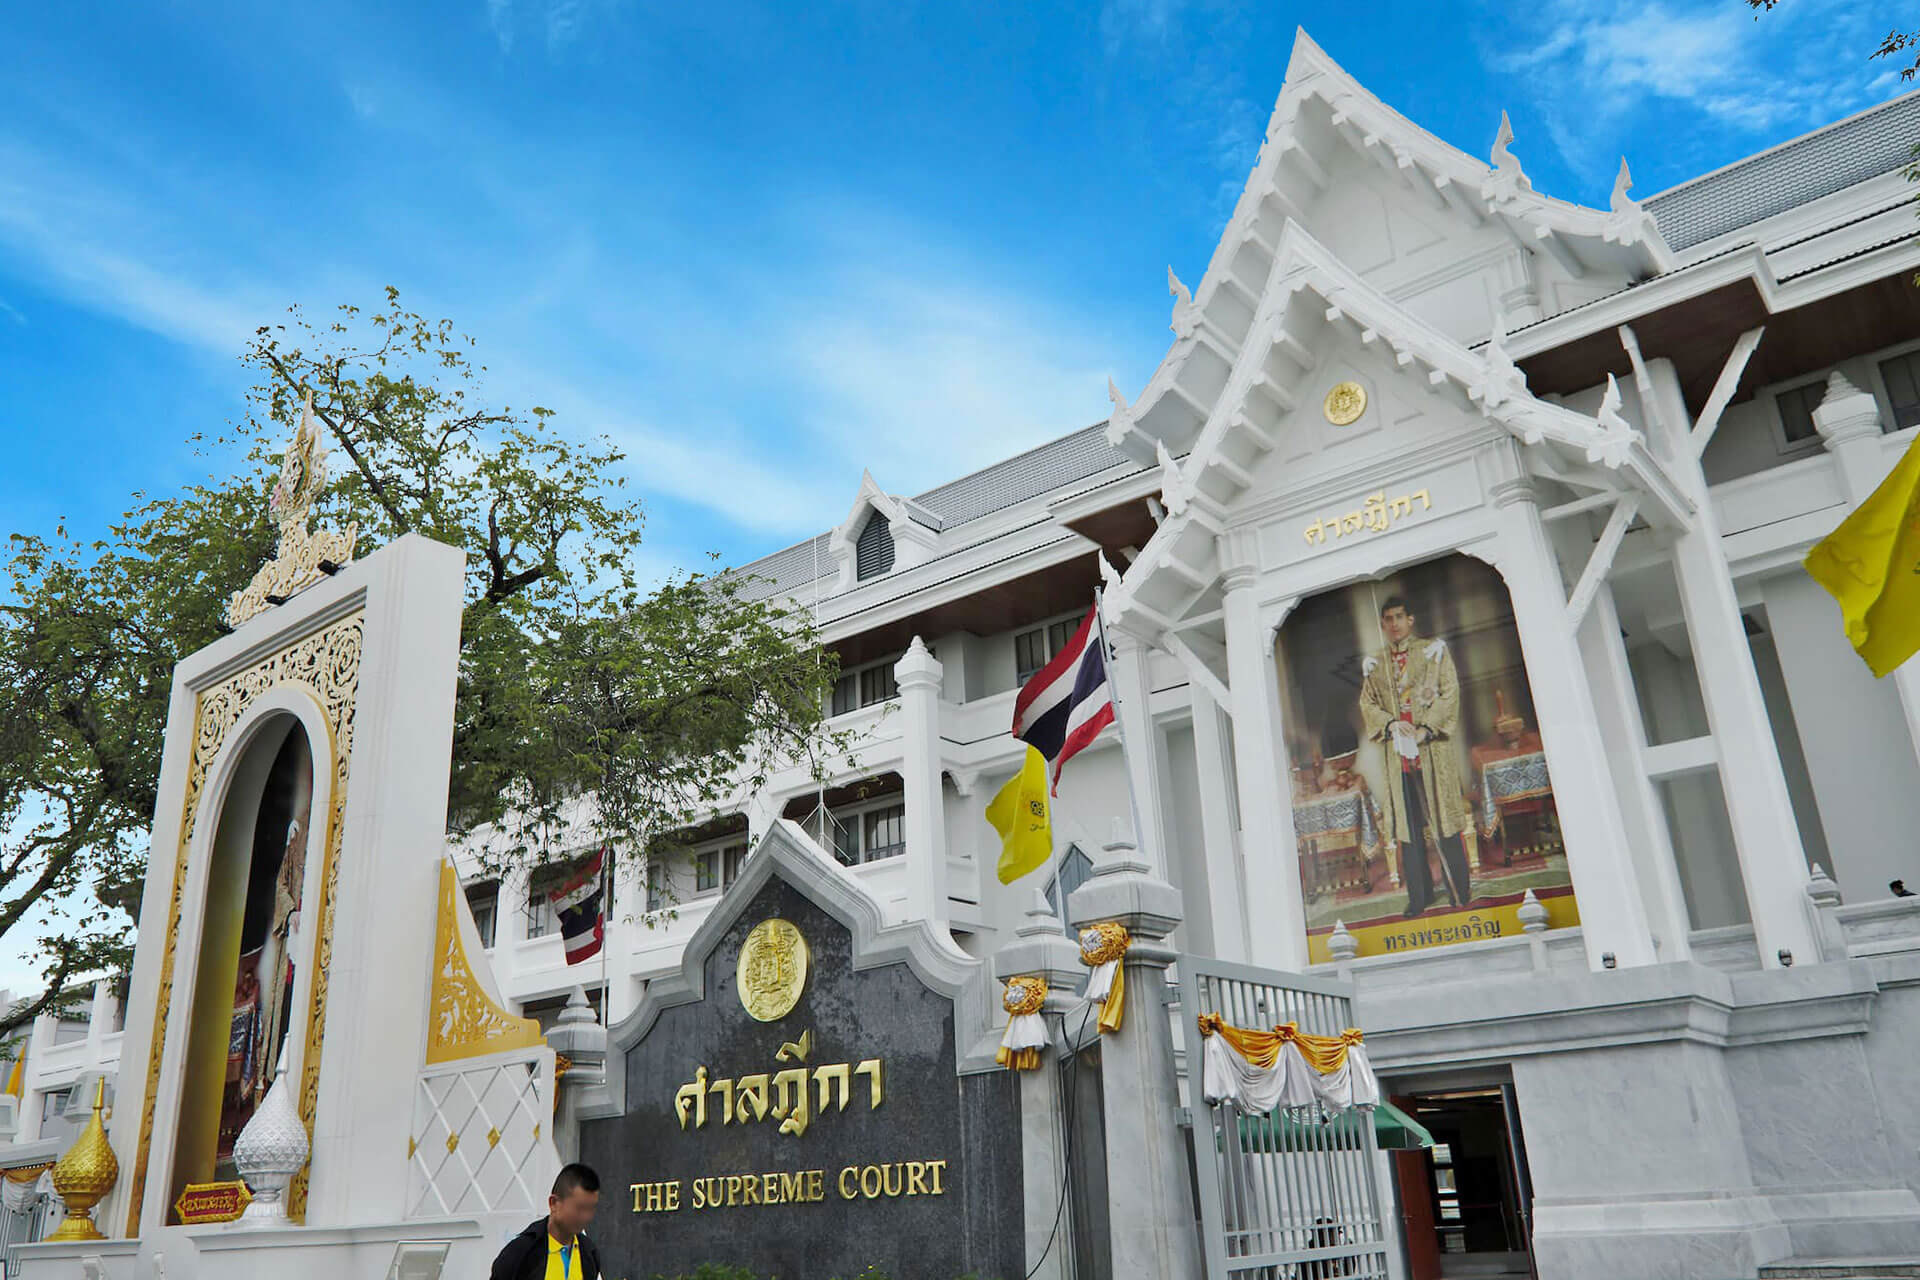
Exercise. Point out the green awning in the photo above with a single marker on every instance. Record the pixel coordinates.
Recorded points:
(1394, 1130)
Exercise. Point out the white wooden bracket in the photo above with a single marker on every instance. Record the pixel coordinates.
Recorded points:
(1601, 561)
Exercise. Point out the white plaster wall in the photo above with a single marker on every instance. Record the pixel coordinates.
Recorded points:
(1854, 738)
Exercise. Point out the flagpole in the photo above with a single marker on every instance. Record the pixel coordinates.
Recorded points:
(606, 930)
(1119, 720)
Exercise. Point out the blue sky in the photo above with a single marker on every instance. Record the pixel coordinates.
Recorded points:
(761, 245)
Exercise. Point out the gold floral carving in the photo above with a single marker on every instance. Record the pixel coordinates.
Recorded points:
(1345, 403)
(296, 563)
(463, 1020)
(326, 664)
(773, 969)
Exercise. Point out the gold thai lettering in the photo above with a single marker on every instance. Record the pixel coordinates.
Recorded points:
(1375, 514)
(785, 1095)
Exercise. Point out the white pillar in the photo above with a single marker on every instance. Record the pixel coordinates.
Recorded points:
(1276, 915)
(1625, 737)
(918, 674)
(1613, 919)
(1765, 835)
(1848, 420)
(1144, 766)
(1213, 757)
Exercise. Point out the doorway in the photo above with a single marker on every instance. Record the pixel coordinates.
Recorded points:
(1466, 1203)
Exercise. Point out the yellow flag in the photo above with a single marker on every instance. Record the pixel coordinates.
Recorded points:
(1871, 565)
(1019, 814)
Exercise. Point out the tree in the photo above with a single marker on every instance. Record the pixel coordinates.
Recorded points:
(586, 699)
(1896, 41)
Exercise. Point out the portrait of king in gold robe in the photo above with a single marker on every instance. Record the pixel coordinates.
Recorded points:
(1410, 708)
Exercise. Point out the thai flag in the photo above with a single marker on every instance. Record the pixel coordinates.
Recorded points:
(578, 903)
(1068, 702)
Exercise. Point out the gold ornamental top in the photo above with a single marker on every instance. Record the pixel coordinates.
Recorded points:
(304, 555)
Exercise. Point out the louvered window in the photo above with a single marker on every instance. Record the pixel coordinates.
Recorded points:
(873, 550)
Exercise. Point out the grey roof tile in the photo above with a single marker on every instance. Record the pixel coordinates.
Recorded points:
(1018, 479)
(1820, 163)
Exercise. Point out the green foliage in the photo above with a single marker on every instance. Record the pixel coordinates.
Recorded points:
(577, 678)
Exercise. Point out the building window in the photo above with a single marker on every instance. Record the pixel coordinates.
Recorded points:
(52, 1103)
(884, 834)
(706, 871)
(865, 686)
(483, 899)
(1075, 867)
(1902, 377)
(656, 884)
(1034, 649)
(731, 859)
(873, 549)
(1796, 411)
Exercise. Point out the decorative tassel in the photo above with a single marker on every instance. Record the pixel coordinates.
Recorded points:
(1026, 1031)
(1104, 947)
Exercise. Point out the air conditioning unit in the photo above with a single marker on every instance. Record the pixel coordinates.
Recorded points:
(79, 1103)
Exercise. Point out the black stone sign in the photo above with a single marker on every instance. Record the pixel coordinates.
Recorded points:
(925, 1186)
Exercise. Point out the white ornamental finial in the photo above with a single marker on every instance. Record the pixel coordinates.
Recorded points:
(1504, 380)
(1627, 222)
(1185, 314)
(1621, 202)
(1175, 490)
(1507, 180)
(270, 1150)
(1615, 435)
(1120, 421)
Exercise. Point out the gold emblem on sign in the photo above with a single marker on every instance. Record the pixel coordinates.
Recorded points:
(1345, 403)
(773, 969)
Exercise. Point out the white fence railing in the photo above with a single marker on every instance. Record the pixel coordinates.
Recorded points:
(1280, 1198)
(482, 1136)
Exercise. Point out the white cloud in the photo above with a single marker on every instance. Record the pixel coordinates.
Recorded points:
(361, 98)
(12, 312)
(500, 20)
(1596, 70)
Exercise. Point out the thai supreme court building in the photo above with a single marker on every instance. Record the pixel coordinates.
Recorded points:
(1468, 675)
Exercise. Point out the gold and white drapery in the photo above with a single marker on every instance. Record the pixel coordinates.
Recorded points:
(1103, 947)
(1026, 1032)
(1258, 1071)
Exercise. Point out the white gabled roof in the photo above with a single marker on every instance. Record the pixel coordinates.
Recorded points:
(1322, 107)
(1309, 289)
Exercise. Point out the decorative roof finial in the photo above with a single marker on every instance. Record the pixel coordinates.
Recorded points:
(1185, 314)
(1615, 435)
(1120, 421)
(1627, 222)
(1175, 489)
(1507, 181)
(303, 555)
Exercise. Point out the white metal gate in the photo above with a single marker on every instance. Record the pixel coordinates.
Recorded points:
(1280, 1198)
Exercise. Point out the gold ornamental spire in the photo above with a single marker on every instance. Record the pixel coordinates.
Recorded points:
(85, 1175)
(304, 555)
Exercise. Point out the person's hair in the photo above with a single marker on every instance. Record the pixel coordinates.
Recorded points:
(1396, 602)
(576, 1177)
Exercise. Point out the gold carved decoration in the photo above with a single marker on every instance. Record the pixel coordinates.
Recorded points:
(85, 1175)
(204, 1202)
(1345, 403)
(773, 969)
(326, 664)
(296, 563)
(462, 1019)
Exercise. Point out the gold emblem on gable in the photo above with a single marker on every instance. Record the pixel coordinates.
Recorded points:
(773, 969)
(1345, 403)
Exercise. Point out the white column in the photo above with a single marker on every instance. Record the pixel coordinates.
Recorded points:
(1625, 738)
(1765, 835)
(1613, 919)
(1213, 756)
(1848, 420)
(1277, 918)
(1144, 767)
(918, 674)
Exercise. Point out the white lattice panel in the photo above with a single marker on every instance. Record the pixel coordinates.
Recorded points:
(481, 1140)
